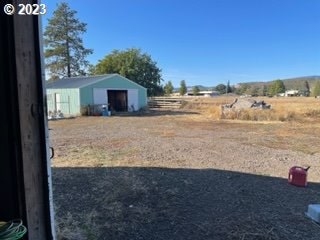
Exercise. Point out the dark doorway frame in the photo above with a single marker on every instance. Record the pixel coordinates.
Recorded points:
(25, 177)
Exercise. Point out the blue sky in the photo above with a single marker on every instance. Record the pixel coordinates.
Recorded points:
(208, 42)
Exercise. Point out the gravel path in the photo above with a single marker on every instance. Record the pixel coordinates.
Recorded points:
(180, 175)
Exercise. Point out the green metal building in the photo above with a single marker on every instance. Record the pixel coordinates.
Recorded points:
(71, 95)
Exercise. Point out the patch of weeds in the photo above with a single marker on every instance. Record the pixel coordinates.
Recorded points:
(68, 228)
(290, 116)
(121, 153)
(183, 104)
(312, 113)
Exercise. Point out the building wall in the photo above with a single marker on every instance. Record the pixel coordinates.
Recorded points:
(115, 83)
(69, 100)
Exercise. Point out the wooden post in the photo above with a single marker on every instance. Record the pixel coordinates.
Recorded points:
(33, 125)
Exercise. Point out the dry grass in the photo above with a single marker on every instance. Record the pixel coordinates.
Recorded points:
(292, 123)
(300, 109)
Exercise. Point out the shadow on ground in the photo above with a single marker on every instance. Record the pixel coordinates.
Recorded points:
(159, 203)
(159, 112)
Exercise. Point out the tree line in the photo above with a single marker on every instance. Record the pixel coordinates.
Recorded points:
(277, 87)
(65, 56)
(274, 88)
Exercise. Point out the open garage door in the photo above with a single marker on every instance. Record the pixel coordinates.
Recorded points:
(118, 100)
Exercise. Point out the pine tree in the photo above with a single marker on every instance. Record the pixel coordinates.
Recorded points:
(306, 89)
(168, 88)
(64, 51)
(228, 87)
(264, 90)
(316, 89)
(183, 88)
(195, 90)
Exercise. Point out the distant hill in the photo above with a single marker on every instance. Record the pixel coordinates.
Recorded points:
(295, 83)
(201, 88)
(290, 83)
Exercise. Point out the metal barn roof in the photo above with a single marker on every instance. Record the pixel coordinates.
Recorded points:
(77, 82)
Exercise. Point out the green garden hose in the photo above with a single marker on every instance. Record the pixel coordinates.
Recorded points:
(12, 230)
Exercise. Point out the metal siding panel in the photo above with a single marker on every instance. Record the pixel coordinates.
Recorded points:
(77, 106)
(142, 98)
(68, 100)
(133, 99)
(86, 96)
(100, 96)
(50, 100)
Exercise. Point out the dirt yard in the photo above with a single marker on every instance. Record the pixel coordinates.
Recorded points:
(182, 175)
